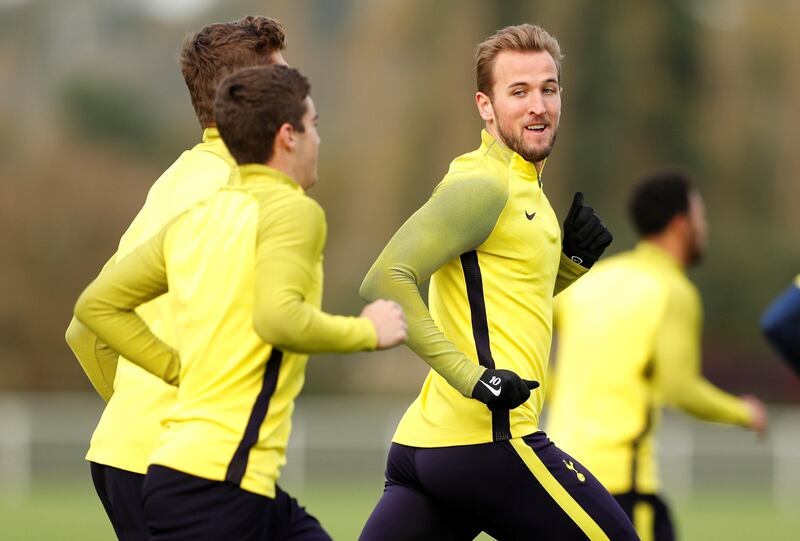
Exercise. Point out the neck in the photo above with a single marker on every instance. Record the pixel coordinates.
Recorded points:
(285, 166)
(491, 127)
(671, 243)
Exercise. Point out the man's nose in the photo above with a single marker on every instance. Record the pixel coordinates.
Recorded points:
(536, 105)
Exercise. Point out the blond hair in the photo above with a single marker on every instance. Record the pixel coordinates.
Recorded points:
(522, 37)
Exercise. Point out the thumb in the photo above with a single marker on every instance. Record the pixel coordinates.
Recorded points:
(530, 384)
(577, 203)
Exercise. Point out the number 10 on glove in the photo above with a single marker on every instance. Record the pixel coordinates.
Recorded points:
(502, 389)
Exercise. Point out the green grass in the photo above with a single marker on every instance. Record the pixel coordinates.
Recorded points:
(69, 510)
(736, 515)
(63, 511)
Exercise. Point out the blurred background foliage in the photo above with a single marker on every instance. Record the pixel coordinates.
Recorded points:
(93, 109)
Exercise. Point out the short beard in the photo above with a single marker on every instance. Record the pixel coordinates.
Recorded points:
(514, 142)
(695, 253)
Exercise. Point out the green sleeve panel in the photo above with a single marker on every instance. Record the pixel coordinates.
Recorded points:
(107, 308)
(568, 272)
(677, 358)
(459, 217)
(290, 243)
(98, 361)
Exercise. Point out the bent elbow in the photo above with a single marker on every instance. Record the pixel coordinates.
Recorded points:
(82, 312)
(275, 330)
(383, 282)
(369, 287)
(262, 324)
(73, 333)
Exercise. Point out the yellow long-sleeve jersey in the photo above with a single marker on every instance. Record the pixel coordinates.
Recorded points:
(138, 400)
(491, 243)
(244, 275)
(628, 336)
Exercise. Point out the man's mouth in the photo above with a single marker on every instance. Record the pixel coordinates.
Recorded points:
(538, 127)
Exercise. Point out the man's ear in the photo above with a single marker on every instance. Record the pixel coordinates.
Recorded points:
(286, 137)
(484, 104)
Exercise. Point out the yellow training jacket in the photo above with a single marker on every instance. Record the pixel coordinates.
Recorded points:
(138, 400)
(244, 275)
(628, 341)
(491, 243)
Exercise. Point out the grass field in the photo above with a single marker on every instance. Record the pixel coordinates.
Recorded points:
(69, 510)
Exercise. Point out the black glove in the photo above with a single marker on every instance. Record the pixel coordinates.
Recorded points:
(502, 389)
(585, 236)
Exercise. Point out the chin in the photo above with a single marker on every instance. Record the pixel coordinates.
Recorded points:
(539, 152)
(696, 258)
(537, 155)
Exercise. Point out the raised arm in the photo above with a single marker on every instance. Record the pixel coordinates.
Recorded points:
(290, 242)
(585, 239)
(107, 309)
(457, 218)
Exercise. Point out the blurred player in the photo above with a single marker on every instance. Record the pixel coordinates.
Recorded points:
(629, 341)
(137, 400)
(244, 272)
(781, 324)
(491, 244)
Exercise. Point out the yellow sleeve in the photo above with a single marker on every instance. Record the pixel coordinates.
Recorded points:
(568, 272)
(459, 217)
(98, 361)
(677, 358)
(290, 243)
(108, 309)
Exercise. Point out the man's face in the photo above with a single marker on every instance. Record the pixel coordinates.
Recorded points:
(308, 147)
(698, 228)
(525, 107)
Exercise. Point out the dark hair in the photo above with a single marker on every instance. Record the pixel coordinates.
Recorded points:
(657, 199)
(219, 49)
(252, 105)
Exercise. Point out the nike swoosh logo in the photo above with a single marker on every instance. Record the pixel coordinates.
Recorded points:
(529, 216)
(492, 390)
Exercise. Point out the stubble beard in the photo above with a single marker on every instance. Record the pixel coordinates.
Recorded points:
(515, 142)
(696, 252)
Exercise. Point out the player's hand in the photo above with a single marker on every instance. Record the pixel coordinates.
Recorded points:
(585, 236)
(758, 411)
(389, 322)
(502, 389)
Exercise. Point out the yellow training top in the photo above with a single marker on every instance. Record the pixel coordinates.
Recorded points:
(629, 341)
(492, 243)
(137, 400)
(244, 270)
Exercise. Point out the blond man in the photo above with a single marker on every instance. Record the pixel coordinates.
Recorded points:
(468, 455)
